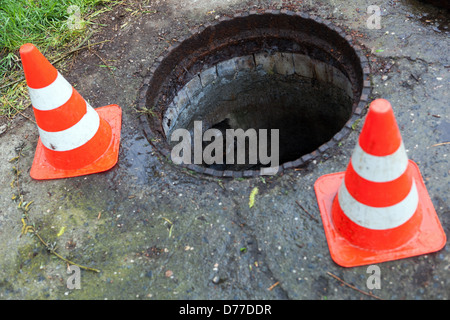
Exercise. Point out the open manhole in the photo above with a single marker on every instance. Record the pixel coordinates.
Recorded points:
(278, 71)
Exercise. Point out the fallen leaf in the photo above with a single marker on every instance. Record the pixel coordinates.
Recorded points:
(251, 201)
(61, 231)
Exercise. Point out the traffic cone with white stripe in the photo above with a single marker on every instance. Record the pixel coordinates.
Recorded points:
(378, 209)
(74, 138)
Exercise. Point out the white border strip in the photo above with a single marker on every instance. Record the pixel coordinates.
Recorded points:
(75, 136)
(52, 96)
(378, 218)
(379, 169)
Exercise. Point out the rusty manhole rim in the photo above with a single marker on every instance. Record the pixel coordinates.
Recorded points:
(156, 139)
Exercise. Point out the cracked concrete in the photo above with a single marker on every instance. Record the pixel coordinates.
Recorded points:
(215, 246)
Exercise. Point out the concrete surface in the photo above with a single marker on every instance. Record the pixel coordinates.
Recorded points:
(158, 232)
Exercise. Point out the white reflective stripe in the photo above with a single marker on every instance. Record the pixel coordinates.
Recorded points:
(52, 96)
(75, 136)
(378, 218)
(379, 169)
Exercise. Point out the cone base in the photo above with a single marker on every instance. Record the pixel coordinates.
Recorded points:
(41, 169)
(430, 236)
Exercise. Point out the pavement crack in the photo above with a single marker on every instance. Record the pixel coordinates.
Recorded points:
(395, 58)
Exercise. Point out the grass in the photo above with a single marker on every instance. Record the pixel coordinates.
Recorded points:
(54, 26)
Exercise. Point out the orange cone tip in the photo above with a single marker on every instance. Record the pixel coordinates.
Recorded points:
(378, 209)
(74, 138)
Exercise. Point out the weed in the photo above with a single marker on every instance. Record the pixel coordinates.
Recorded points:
(355, 124)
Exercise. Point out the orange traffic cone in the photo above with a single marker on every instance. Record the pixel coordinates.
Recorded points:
(74, 139)
(379, 209)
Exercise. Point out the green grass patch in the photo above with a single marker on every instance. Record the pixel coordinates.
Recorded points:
(54, 26)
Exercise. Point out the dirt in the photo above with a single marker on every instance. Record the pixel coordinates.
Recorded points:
(156, 231)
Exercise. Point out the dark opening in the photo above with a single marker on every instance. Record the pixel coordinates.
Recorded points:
(270, 70)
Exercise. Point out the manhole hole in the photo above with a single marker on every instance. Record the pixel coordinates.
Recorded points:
(274, 70)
